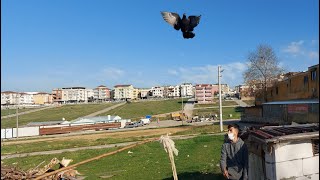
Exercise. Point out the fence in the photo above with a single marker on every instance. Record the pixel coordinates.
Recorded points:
(23, 132)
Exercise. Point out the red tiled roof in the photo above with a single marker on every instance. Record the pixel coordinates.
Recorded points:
(9, 92)
(122, 85)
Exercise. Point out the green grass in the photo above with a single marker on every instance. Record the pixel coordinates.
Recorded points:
(205, 129)
(65, 144)
(215, 104)
(136, 110)
(198, 159)
(69, 112)
(5, 112)
(56, 145)
(235, 111)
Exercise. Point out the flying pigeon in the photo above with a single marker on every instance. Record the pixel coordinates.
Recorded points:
(186, 25)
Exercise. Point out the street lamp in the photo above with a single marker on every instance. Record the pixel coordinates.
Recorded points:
(220, 102)
(17, 115)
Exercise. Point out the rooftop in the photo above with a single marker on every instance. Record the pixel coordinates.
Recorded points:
(303, 101)
(276, 134)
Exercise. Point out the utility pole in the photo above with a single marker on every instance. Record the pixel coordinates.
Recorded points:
(18, 103)
(182, 116)
(220, 102)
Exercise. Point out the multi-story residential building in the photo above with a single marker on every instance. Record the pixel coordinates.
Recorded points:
(186, 90)
(204, 93)
(70, 94)
(244, 92)
(143, 93)
(42, 98)
(27, 97)
(90, 95)
(293, 86)
(57, 95)
(101, 93)
(168, 91)
(122, 92)
(9, 98)
(157, 91)
(135, 93)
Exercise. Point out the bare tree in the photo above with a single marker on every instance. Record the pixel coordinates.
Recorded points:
(263, 68)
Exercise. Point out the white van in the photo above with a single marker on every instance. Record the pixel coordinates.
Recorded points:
(145, 121)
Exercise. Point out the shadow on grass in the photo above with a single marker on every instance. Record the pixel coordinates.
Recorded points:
(198, 176)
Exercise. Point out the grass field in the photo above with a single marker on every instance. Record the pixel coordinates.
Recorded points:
(5, 112)
(235, 111)
(136, 110)
(224, 103)
(69, 112)
(73, 143)
(198, 159)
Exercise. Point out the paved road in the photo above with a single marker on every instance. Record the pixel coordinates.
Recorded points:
(26, 112)
(240, 102)
(105, 110)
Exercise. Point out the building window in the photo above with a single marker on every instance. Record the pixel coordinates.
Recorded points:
(277, 90)
(313, 75)
(271, 92)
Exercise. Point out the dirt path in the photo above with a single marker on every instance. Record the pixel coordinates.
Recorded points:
(104, 110)
(119, 134)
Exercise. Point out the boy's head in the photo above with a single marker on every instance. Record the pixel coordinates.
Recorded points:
(234, 129)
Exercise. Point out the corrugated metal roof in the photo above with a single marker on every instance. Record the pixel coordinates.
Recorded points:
(280, 133)
(308, 101)
(44, 123)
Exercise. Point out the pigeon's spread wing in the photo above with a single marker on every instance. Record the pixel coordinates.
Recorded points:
(171, 18)
(194, 21)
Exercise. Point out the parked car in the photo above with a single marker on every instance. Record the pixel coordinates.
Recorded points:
(131, 125)
(145, 121)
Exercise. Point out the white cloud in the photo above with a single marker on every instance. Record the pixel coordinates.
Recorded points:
(232, 73)
(313, 54)
(294, 48)
(172, 72)
(112, 73)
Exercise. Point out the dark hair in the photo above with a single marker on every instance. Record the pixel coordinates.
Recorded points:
(236, 126)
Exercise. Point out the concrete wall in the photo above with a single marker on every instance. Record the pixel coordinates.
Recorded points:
(22, 132)
(293, 160)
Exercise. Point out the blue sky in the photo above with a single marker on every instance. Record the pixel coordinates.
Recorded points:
(57, 43)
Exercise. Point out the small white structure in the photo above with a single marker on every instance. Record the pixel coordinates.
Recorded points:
(287, 152)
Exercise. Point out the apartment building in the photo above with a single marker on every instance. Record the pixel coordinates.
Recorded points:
(135, 93)
(9, 98)
(171, 91)
(71, 94)
(204, 93)
(57, 95)
(157, 91)
(42, 98)
(101, 93)
(122, 92)
(294, 86)
(143, 93)
(186, 90)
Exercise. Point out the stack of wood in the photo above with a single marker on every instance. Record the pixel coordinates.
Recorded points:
(15, 173)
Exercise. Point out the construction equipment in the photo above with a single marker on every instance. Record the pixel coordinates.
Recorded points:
(178, 116)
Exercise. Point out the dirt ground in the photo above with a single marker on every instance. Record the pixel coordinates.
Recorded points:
(119, 134)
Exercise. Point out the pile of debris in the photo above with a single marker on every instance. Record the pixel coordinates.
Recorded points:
(15, 173)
